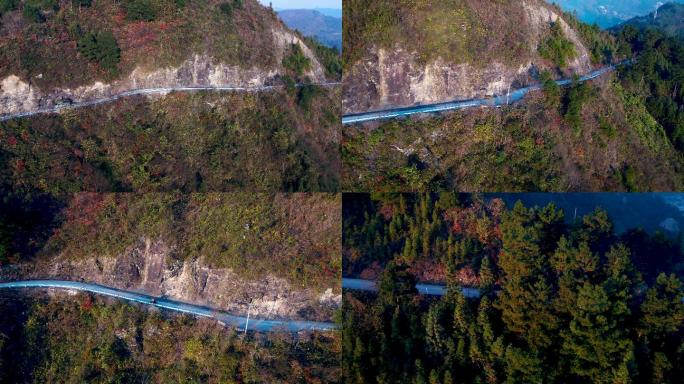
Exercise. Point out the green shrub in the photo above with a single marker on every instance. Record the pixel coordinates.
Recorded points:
(607, 128)
(630, 179)
(557, 47)
(33, 13)
(290, 84)
(306, 94)
(82, 3)
(8, 5)
(228, 7)
(297, 62)
(577, 95)
(102, 48)
(551, 89)
(140, 10)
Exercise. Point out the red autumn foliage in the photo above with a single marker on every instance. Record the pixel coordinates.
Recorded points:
(429, 271)
(372, 272)
(467, 276)
(119, 17)
(85, 207)
(12, 141)
(329, 272)
(387, 211)
(139, 34)
(20, 166)
(87, 303)
(456, 227)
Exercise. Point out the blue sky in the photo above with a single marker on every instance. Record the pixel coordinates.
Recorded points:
(304, 3)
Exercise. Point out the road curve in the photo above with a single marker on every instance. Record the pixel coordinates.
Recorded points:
(424, 289)
(496, 101)
(149, 91)
(239, 322)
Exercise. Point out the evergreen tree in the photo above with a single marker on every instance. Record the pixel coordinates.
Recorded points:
(487, 278)
(102, 48)
(663, 309)
(595, 342)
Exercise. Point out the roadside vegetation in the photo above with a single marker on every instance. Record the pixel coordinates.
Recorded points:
(89, 339)
(284, 140)
(584, 137)
(657, 77)
(562, 301)
(557, 47)
(103, 40)
(290, 236)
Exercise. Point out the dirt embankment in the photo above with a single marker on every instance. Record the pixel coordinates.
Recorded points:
(150, 268)
(396, 77)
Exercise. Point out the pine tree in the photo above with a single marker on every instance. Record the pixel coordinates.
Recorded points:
(436, 335)
(524, 367)
(595, 342)
(487, 278)
(663, 309)
(448, 379)
(525, 294)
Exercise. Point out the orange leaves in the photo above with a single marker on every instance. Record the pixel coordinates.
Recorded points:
(467, 276)
(478, 222)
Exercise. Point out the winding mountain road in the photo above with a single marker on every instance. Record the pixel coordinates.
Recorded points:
(239, 322)
(149, 91)
(424, 289)
(496, 101)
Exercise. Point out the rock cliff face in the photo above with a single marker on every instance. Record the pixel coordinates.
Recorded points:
(396, 77)
(16, 95)
(149, 267)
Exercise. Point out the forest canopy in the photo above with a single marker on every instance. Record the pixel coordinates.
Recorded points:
(560, 301)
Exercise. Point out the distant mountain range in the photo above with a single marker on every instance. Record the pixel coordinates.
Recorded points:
(609, 13)
(332, 12)
(324, 24)
(669, 19)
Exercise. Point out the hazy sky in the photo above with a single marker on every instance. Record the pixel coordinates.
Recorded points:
(304, 3)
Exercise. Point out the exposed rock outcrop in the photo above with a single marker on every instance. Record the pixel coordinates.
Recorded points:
(17, 95)
(396, 77)
(150, 267)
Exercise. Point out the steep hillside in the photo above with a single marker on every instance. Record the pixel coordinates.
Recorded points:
(280, 140)
(402, 53)
(326, 29)
(621, 131)
(106, 47)
(278, 254)
(669, 20)
(82, 338)
(596, 137)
